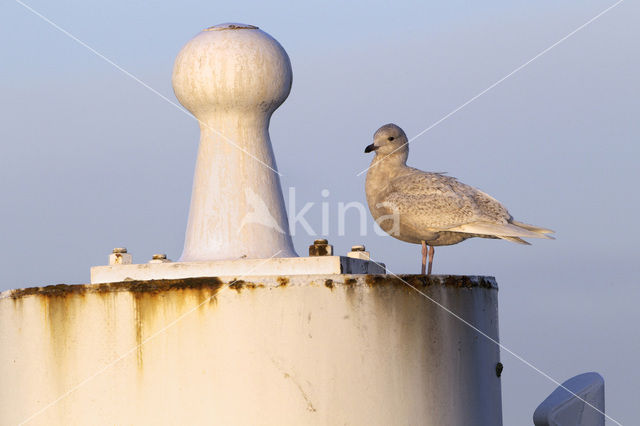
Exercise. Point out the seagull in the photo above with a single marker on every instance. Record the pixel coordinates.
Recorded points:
(429, 208)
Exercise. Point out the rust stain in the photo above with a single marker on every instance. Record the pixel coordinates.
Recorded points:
(148, 299)
(464, 281)
(200, 294)
(149, 286)
(139, 327)
(57, 314)
(328, 283)
(375, 280)
(318, 250)
(350, 284)
(422, 281)
(283, 281)
(214, 284)
(238, 285)
(50, 290)
(350, 281)
(60, 301)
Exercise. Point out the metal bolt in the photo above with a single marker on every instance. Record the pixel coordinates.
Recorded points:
(321, 247)
(159, 256)
(359, 252)
(119, 256)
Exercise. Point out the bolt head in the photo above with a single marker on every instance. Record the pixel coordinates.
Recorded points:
(357, 248)
(321, 241)
(159, 256)
(120, 250)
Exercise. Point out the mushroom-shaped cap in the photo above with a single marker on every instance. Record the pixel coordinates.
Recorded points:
(232, 67)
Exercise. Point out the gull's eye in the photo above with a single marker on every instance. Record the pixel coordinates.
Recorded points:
(390, 138)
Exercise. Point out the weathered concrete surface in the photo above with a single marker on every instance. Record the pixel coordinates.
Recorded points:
(312, 350)
(325, 265)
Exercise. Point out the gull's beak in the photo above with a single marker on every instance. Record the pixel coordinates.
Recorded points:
(370, 148)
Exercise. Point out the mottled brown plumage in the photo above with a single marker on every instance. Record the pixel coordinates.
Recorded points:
(416, 206)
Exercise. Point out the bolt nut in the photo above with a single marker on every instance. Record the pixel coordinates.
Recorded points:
(358, 252)
(159, 258)
(321, 247)
(120, 257)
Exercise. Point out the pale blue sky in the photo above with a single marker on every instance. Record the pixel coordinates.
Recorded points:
(91, 160)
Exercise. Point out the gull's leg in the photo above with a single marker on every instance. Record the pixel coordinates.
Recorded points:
(424, 257)
(431, 252)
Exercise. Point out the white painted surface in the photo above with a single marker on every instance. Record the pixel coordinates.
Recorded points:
(236, 268)
(232, 79)
(359, 252)
(316, 350)
(120, 258)
(562, 408)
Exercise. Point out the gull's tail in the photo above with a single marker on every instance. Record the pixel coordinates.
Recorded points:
(541, 233)
(512, 231)
(535, 229)
(516, 240)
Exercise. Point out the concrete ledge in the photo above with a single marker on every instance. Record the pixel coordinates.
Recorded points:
(241, 267)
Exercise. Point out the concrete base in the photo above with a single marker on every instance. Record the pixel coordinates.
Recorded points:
(278, 350)
(236, 268)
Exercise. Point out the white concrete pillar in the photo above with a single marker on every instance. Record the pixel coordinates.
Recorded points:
(276, 350)
(232, 77)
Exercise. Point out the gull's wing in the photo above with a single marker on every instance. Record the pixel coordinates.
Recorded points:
(436, 202)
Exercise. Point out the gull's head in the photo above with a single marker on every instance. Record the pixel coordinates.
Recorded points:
(389, 139)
